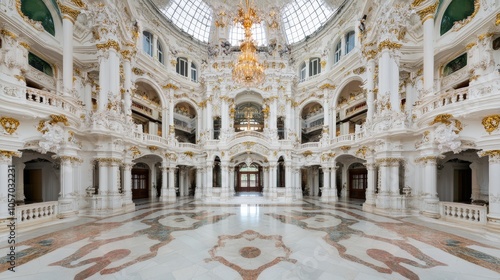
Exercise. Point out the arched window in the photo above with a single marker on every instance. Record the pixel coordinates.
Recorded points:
(147, 43)
(37, 11)
(40, 64)
(303, 72)
(160, 52)
(457, 10)
(194, 72)
(349, 42)
(455, 65)
(182, 66)
(338, 52)
(314, 66)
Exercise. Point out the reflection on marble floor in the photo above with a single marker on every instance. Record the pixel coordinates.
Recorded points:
(308, 240)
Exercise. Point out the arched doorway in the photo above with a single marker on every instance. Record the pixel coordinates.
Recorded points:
(249, 178)
(140, 181)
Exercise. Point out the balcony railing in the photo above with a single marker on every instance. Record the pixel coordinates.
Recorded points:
(36, 213)
(474, 214)
(444, 99)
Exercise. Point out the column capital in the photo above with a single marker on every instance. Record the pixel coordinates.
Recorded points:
(6, 156)
(493, 155)
(426, 12)
(69, 12)
(388, 161)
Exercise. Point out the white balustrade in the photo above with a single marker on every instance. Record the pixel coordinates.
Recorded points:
(468, 213)
(443, 99)
(53, 100)
(188, 146)
(36, 213)
(310, 145)
(343, 138)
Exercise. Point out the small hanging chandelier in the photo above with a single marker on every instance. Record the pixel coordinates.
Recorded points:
(248, 70)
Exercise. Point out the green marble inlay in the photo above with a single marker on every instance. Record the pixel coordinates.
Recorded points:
(37, 11)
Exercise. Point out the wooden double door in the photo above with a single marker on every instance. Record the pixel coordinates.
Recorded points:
(249, 181)
(358, 182)
(140, 183)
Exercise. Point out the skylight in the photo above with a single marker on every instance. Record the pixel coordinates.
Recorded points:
(192, 16)
(237, 34)
(302, 17)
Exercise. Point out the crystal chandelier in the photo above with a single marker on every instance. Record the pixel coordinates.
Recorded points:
(248, 70)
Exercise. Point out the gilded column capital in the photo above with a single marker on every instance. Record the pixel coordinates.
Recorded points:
(388, 161)
(493, 155)
(427, 12)
(427, 160)
(70, 160)
(69, 13)
(6, 156)
(388, 44)
(110, 44)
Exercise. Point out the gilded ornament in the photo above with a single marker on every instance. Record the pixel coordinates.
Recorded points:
(323, 64)
(359, 70)
(10, 125)
(135, 151)
(137, 71)
(189, 154)
(416, 3)
(307, 153)
(71, 159)
(110, 44)
(427, 159)
(361, 152)
(327, 86)
(497, 21)
(36, 24)
(387, 44)
(152, 148)
(127, 54)
(490, 153)
(428, 13)
(79, 3)
(8, 33)
(388, 160)
(491, 123)
(69, 12)
(470, 45)
(170, 86)
(345, 148)
(171, 156)
(327, 156)
(109, 160)
(446, 119)
(171, 129)
(9, 154)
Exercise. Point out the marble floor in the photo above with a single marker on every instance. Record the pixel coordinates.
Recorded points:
(251, 238)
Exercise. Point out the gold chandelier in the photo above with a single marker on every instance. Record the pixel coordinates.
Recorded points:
(247, 69)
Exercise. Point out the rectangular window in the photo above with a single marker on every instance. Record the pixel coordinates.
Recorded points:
(303, 74)
(349, 42)
(147, 43)
(194, 73)
(338, 52)
(182, 66)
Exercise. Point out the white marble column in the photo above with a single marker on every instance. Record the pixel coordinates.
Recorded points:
(325, 191)
(210, 180)
(315, 182)
(102, 101)
(369, 203)
(7, 184)
(382, 200)
(20, 183)
(103, 184)
(115, 198)
(209, 119)
(231, 181)
(127, 186)
(165, 122)
(288, 181)
(265, 184)
(198, 190)
(370, 86)
(171, 126)
(171, 194)
(182, 183)
(224, 181)
(272, 180)
(66, 196)
(127, 85)
(164, 183)
(494, 187)
(298, 183)
(333, 184)
(67, 54)
(87, 99)
(431, 200)
(394, 185)
(152, 182)
(428, 26)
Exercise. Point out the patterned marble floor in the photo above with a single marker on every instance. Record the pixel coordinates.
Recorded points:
(303, 240)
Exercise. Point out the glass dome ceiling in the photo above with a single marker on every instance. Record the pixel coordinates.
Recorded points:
(298, 18)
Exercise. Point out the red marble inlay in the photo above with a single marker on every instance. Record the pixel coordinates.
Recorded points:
(250, 252)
